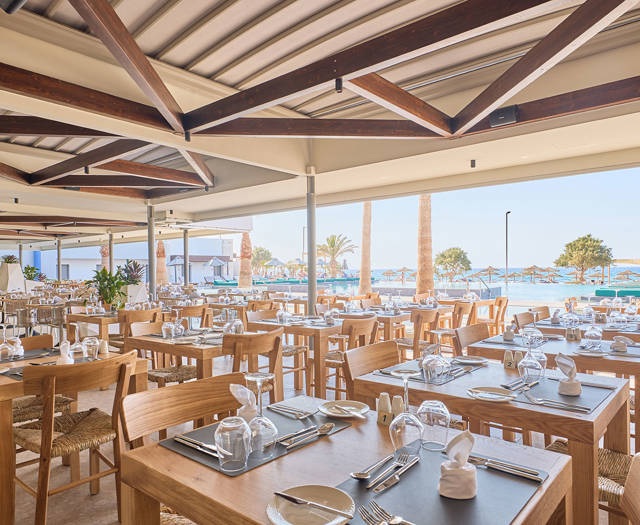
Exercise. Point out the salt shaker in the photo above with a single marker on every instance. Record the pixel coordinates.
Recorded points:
(385, 414)
(397, 405)
(508, 361)
(104, 347)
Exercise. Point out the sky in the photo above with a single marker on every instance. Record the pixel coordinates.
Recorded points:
(545, 215)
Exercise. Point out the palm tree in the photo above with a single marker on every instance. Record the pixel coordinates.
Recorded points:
(424, 279)
(334, 247)
(259, 257)
(365, 250)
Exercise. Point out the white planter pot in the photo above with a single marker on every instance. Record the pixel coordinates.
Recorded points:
(11, 278)
(31, 285)
(136, 293)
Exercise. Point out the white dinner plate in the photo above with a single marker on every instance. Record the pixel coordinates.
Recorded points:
(283, 512)
(491, 393)
(469, 360)
(589, 353)
(329, 409)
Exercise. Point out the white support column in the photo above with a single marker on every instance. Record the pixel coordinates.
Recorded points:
(20, 254)
(312, 289)
(151, 246)
(111, 268)
(59, 262)
(185, 244)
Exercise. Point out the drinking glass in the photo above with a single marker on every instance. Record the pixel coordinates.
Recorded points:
(263, 431)
(5, 348)
(168, 331)
(91, 346)
(434, 364)
(405, 429)
(631, 309)
(592, 337)
(233, 441)
(587, 311)
(78, 351)
(435, 418)
(533, 364)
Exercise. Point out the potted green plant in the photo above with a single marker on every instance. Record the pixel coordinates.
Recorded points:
(32, 277)
(110, 287)
(11, 278)
(132, 273)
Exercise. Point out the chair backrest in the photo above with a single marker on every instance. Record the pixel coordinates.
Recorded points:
(468, 335)
(321, 308)
(326, 299)
(37, 342)
(77, 309)
(523, 319)
(259, 315)
(423, 320)
(199, 310)
(251, 346)
(630, 501)
(254, 306)
(460, 309)
(361, 331)
(501, 308)
(140, 329)
(542, 311)
(366, 303)
(128, 317)
(160, 408)
(366, 359)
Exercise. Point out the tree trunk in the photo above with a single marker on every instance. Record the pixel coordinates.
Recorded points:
(245, 278)
(162, 275)
(365, 250)
(424, 278)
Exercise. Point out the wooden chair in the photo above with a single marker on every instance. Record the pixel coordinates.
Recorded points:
(366, 303)
(456, 319)
(63, 435)
(127, 318)
(375, 297)
(523, 319)
(27, 408)
(423, 320)
(542, 311)
(299, 353)
(250, 347)
(496, 323)
(254, 306)
(421, 297)
(468, 335)
(198, 311)
(365, 359)
(321, 308)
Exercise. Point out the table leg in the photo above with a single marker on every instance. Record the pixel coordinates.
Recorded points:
(320, 349)
(7, 463)
(138, 383)
(585, 481)
(138, 508)
(617, 435)
(297, 363)
(636, 414)
(204, 368)
(387, 329)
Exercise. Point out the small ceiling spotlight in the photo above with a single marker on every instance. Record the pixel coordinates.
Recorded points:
(473, 163)
(338, 85)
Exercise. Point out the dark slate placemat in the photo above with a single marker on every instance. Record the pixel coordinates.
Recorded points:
(414, 365)
(32, 354)
(591, 396)
(284, 425)
(499, 499)
(517, 342)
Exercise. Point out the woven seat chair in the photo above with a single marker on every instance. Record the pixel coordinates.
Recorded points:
(193, 312)
(64, 435)
(422, 320)
(299, 353)
(258, 305)
(144, 413)
(127, 318)
(456, 319)
(496, 323)
(27, 408)
(618, 481)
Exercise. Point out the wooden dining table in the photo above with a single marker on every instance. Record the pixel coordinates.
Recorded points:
(582, 431)
(617, 364)
(11, 389)
(390, 319)
(154, 474)
(102, 321)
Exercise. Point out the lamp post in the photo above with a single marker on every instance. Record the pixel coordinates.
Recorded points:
(506, 251)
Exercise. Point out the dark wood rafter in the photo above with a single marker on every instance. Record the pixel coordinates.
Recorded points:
(320, 128)
(42, 87)
(580, 26)
(15, 175)
(395, 99)
(64, 220)
(133, 193)
(151, 171)
(444, 28)
(42, 127)
(105, 23)
(99, 155)
(196, 161)
(162, 192)
(112, 181)
(28, 234)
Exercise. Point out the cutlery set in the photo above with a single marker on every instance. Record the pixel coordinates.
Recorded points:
(552, 403)
(376, 515)
(389, 476)
(290, 412)
(509, 468)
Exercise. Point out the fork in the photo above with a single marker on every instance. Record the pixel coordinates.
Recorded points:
(556, 404)
(401, 461)
(368, 518)
(382, 514)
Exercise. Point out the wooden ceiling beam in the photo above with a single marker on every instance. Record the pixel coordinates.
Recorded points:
(42, 127)
(133, 193)
(580, 26)
(152, 171)
(587, 99)
(100, 155)
(196, 161)
(107, 26)
(112, 181)
(13, 174)
(42, 87)
(323, 128)
(395, 99)
(460, 22)
(63, 220)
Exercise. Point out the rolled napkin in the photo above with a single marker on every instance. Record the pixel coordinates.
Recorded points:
(247, 399)
(620, 343)
(509, 333)
(65, 354)
(555, 318)
(569, 386)
(457, 476)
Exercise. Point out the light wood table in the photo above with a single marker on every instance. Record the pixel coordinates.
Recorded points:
(319, 339)
(11, 389)
(154, 474)
(583, 432)
(546, 327)
(617, 364)
(299, 304)
(101, 320)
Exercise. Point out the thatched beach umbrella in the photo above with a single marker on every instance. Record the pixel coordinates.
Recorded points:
(389, 274)
(533, 270)
(489, 270)
(513, 275)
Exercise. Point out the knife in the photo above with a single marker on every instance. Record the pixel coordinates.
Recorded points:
(302, 501)
(296, 434)
(395, 478)
(588, 383)
(197, 447)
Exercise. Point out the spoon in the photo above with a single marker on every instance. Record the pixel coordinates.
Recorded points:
(323, 430)
(366, 473)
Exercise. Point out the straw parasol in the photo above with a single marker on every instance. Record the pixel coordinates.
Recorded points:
(389, 274)
(489, 270)
(533, 270)
(513, 275)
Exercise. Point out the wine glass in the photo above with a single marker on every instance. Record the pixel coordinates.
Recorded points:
(587, 311)
(532, 366)
(434, 364)
(233, 441)
(435, 418)
(91, 346)
(168, 331)
(592, 338)
(405, 429)
(263, 431)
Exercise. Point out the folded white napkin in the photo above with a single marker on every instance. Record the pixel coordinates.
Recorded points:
(509, 333)
(457, 476)
(620, 343)
(555, 318)
(247, 399)
(65, 354)
(569, 386)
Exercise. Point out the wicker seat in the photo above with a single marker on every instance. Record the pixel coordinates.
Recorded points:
(613, 468)
(173, 374)
(71, 432)
(292, 350)
(170, 517)
(406, 342)
(30, 407)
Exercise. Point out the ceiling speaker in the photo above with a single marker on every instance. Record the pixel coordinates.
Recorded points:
(11, 6)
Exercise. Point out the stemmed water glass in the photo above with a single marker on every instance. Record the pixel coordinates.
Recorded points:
(405, 429)
(263, 431)
(531, 367)
(5, 348)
